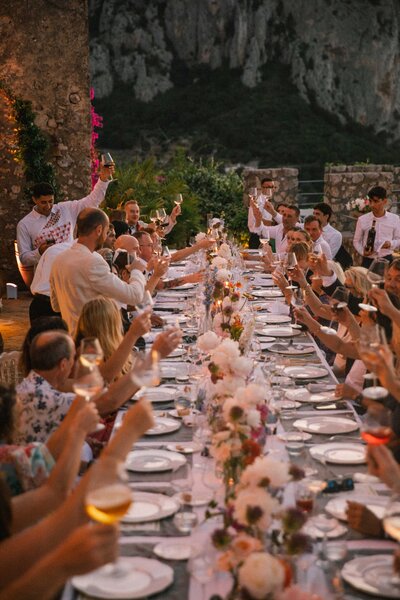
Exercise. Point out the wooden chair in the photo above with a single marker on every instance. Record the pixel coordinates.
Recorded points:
(27, 273)
(9, 368)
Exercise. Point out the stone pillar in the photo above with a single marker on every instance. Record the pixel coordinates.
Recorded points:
(45, 59)
(286, 183)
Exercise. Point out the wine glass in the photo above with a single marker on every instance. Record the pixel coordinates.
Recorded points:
(162, 215)
(147, 301)
(371, 340)
(290, 264)
(376, 276)
(106, 160)
(166, 252)
(146, 370)
(253, 192)
(376, 428)
(88, 382)
(325, 524)
(338, 301)
(264, 240)
(201, 568)
(213, 478)
(108, 497)
(154, 216)
(178, 199)
(91, 353)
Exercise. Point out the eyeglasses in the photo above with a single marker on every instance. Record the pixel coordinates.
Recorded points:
(333, 486)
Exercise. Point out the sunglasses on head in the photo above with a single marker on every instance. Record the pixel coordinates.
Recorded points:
(333, 486)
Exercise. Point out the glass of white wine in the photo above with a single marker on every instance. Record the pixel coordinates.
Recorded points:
(91, 353)
(146, 370)
(178, 199)
(88, 382)
(338, 301)
(154, 217)
(108, 498)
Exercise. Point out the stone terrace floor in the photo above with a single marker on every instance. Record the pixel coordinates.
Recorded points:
(14, 321)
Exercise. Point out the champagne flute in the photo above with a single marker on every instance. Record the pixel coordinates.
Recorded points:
(338, 301)
(106, 160)
(290, 264)
(108, 498)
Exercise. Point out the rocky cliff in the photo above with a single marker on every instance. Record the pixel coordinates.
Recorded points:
(343, 54)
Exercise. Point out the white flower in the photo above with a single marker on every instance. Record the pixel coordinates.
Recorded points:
(254, 506)
(228, 385)
(253, 394)
(232, 411)
(253, 418)
(223, 274)
(217, 322)
(225, 251)
(261, 574)
(242, 366)
(200, 236)
(219, 263)
(208, 341)
(264, 467)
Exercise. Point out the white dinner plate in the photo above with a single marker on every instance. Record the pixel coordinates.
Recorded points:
(200, 498)
(143, 577)
(305, 372)
(177, 352)
(326, 425)
(173, 550)
(163, 425)
(185, 447)
(184, 286)
(273, 319)
(337, 507)
(149, 507)
(267, 293)
(365, 572)
(292, 350)
(265, 339)
(340, 453)
(153, 461)
(303, 436)
(278, 331)
(155, 395)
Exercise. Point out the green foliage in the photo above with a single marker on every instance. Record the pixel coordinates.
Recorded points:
(32, 144)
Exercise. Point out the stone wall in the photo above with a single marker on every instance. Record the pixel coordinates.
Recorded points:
(45, 59)
(343, 183)
(286, 183)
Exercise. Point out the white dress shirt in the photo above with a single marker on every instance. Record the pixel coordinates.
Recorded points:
(324, 247)
(34, 229)
(79, 275)
(41, 279)
(387, 230)
(333, 237)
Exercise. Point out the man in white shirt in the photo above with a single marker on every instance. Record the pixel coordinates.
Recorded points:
(40, 287)
(323, 213)
(387, 228)
(132, 216)
(266, 208)
(80, 274)
(314, 229)
(50, 223)
(277, 232)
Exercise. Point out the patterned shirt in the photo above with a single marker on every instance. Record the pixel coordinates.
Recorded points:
(42, 408)
(25, 468)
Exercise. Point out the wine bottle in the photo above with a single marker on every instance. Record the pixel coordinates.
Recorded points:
(369, 245)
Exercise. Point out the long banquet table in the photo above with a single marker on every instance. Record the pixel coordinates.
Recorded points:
(139, 539)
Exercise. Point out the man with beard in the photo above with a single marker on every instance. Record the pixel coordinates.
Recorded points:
(81, 274)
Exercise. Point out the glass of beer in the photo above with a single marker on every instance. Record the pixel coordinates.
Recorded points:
(108, 498)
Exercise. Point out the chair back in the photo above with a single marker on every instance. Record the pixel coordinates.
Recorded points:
(27, 273)
(10, 373)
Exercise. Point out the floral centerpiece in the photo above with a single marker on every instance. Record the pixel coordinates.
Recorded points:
(359, 205)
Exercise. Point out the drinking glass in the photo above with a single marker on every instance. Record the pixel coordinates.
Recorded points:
(297, 301)
(154, 216)
(106, 160)
(253, 192)
(325, 524)
(201, 568)
(338, 301)
(147, 301)
(162, 215)
(304, 498)
(108, 498)
(376, 426)
(213, 478)
(371, 340)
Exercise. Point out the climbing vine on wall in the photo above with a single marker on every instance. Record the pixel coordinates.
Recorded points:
(27, 144)
(96, 123)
